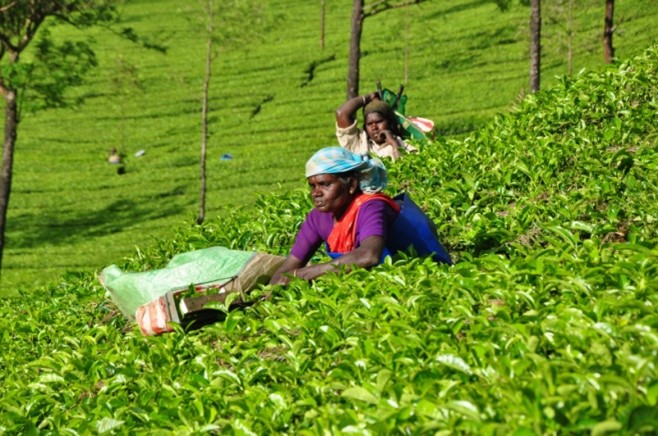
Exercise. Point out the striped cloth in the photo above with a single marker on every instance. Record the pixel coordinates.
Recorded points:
(338, 160)
(153, 318)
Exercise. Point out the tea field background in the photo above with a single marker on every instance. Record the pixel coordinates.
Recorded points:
(272, 104)
(545, 325)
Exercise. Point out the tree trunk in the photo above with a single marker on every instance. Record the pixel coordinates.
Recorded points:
(355, 49)
(11, 127)
(204, 132)
(535, 45)
(323, 8)
(608, 29)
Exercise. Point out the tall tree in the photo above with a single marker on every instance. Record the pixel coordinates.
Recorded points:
(361, 11)
(210, 11)
(608, 29)
(226, 23)
(535, 44)
(535, 37)
(41, 81)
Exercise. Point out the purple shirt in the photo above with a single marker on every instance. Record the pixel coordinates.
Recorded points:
(374, 219)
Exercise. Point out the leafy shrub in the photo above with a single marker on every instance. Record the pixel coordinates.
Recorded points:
(546, 324)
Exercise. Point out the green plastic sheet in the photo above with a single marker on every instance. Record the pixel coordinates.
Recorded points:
(207, 267)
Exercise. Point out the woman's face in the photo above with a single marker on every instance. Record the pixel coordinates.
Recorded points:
(376, 123)
(331, 194)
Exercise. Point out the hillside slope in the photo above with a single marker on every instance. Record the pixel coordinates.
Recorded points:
(272, 103)
(546, 324)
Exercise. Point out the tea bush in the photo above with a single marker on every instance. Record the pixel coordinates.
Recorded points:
(546, 324)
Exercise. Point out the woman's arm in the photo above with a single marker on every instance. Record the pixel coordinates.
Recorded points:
(365, 256)
(282, 275)
(346, 113)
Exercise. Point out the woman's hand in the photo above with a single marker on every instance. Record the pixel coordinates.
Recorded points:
(307, 273)
(287, 269)
(370, 97)
(387, 137)
(313, 271)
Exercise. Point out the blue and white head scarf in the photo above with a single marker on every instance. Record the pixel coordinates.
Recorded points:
(338, 160)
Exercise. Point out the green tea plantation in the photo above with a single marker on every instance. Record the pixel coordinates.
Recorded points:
(546, 324)
(272, 102)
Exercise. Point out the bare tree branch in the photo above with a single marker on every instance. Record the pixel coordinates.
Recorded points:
(31, 27)
(7, 7)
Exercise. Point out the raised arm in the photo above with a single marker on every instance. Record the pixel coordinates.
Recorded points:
(346, 113)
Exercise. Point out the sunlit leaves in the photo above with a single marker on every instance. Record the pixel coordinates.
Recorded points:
(546, 324)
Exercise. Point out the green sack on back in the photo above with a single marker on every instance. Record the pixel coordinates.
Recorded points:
(207, 267)
(399, 106)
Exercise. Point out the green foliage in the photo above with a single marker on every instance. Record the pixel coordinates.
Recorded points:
(53, 71)
(546, 324)
(70, 211)
(52, 66)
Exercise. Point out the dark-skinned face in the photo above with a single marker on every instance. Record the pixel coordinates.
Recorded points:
(331, 194)
(376, 123)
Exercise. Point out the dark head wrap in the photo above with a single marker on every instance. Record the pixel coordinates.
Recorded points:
(379, 106)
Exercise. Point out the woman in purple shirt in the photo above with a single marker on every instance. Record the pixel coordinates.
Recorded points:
(351, 215)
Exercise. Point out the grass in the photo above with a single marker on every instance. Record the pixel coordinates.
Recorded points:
(70, 211)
